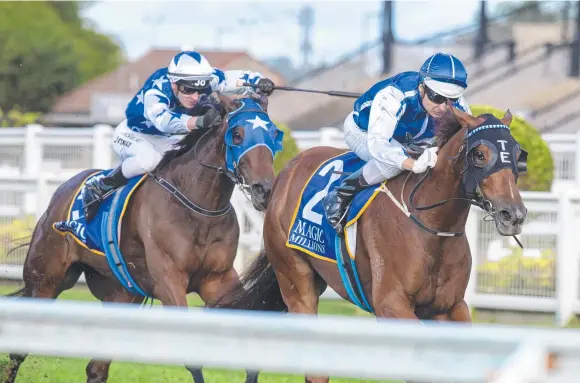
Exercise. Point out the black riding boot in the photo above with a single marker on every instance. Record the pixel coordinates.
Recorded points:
(97, 187)
(335, 204)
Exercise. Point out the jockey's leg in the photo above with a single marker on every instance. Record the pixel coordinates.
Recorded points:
(138, 157)
(336, 202)
(373, 172)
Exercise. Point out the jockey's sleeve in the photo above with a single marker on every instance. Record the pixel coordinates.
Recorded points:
(386, 109)
(227, 81)
(464, 105)
(157, 111)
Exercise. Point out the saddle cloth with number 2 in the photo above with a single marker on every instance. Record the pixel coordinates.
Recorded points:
(309, 230)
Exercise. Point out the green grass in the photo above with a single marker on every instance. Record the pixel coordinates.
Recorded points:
(38, 369)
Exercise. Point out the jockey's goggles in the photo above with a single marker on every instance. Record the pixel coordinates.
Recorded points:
(185, 89)
(436, 97)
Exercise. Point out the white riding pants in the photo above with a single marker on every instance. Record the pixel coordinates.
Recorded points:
(374, 171)
(140, 153)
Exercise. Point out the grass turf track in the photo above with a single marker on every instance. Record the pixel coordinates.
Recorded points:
(68, 370)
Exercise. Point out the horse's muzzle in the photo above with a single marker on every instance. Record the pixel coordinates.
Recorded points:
(261, 194)
(510, 218)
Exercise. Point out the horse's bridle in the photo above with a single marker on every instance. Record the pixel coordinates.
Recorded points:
(477, 198)
(234, 177)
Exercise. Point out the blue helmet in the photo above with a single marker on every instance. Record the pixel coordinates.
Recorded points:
(444, 74)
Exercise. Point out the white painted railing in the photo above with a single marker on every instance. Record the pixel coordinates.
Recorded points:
(543, 278)
(34, 161)
(66, 151)
(291, 343)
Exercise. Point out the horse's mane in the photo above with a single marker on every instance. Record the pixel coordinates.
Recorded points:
(188, 142)
(446, 127)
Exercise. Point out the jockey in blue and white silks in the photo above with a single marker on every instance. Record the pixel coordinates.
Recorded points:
(163, 110)
(400, 109)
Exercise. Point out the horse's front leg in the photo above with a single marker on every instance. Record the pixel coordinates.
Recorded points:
(459, 312)
(171, 290)
(215, 284)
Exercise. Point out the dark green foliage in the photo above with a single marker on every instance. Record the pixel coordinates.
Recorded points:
(46, 51)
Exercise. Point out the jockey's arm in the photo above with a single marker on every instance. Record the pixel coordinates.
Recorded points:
(157, 111)
(229, 80)
(386, 109)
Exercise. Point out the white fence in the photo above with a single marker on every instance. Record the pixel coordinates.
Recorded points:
(35, 160)
(292, 343)
(563, 147)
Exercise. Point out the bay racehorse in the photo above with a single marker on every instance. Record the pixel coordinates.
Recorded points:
(179, 230)
(399, 262)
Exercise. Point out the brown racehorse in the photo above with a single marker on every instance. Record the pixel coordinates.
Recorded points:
(406, 270)
(174, 243)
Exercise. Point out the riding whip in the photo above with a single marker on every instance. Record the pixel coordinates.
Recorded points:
(289, 88)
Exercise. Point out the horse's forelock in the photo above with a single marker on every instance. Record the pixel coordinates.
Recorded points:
(446, 127)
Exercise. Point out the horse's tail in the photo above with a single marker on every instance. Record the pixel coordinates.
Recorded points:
(258, 289)
(23, 291)
(18, 293)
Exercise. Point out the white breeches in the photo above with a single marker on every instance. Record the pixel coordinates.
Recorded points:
(140, 153)
(374, 171)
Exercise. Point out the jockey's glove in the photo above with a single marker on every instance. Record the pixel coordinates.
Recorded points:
(427, 159)
(209, 120)
(265, 86)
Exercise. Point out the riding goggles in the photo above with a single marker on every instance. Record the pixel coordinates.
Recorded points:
(436, 97)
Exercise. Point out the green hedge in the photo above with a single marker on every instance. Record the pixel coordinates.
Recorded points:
(289, 151)
(540, 163)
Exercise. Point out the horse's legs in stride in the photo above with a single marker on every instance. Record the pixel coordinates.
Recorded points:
(460, 312)
(46, 275)
(298, 286)
(107, 290)
(210, 290)
(174, 293)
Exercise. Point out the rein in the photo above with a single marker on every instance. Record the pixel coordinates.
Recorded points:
(478, 200)
(236, 178)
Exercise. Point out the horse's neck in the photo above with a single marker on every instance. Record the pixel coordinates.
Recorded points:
(203, 186)
(444, 183)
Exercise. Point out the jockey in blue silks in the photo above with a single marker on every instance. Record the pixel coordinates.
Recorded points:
(163, 110)
(397, 110)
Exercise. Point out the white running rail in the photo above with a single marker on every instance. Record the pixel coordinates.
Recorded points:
(289, 343)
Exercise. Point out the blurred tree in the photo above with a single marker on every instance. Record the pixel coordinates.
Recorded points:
(15, 118)
(47, 51)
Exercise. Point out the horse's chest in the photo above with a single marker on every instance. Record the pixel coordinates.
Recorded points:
(439, 293)
(428, 291)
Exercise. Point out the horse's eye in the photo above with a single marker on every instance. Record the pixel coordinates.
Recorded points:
(479, 158)
(237, 138)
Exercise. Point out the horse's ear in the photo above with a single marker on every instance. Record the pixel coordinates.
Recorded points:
(227, 102)
(465, 119)
(507, 118)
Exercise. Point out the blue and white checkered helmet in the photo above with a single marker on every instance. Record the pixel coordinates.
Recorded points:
(191, 69)
(444, 74)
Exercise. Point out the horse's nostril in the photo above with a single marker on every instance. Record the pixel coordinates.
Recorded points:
(258, 189)
(505, 216)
